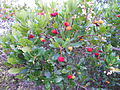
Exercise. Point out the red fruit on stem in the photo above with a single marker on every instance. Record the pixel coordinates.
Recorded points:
(96, 54)
(89, 49)
(66, 24)
(54, 31)
(69, 76)
(61, 59)
(31, 36)
(118, 15)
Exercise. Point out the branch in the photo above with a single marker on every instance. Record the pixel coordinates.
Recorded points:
(114, 48)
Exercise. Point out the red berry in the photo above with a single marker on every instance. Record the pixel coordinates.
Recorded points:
(54, 31)
(12, 14)
(31, 36)
(43, 40)
(66, 24)
(96, 54)
(54, 14)
(69, 76)
(61, 59)
(89, 49)
(118, 15)
(6, 17)
(98, 57)
(0, 15)
(40, 13)
(99, 51)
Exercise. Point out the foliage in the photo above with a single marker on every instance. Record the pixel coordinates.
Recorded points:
(35, 51)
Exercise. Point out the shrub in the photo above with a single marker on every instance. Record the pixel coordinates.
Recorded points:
(43, 49)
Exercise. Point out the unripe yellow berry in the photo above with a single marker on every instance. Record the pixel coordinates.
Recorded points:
(67, 39)
(73, 77)
(41, 39)
(101, 21)
(78, 72)
(70, 48)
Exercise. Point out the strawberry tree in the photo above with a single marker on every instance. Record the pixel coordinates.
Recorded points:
(66, 46)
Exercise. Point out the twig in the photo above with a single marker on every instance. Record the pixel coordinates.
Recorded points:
(114, 48)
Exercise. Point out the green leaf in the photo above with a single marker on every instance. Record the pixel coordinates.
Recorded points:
(12, 60)
(15, 70)
(55, 25)
(56, 44)
(59, 79)
(25, 42)
(64, 71)
(102, 29)
(20, 76)
(77, 44)
(47, 74)
(47, 86)
(26, 49)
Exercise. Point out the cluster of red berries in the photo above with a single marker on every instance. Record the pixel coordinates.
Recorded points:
(96, 54)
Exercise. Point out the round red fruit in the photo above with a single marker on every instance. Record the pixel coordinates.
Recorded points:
(69, 76)
(6, 17)
(0, 15)
(42, 40)
(54, 31)
(96, 54)
(118, 15)
(100, 51)
(89, 49)
(98, 57)
(31, 36)
(66, 24)
(40, 13)
(61, 59)
(54, 14)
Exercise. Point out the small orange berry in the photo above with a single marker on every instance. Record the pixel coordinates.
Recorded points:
(95, 22)
(68, 27)
(81, 39)
(107, 82)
